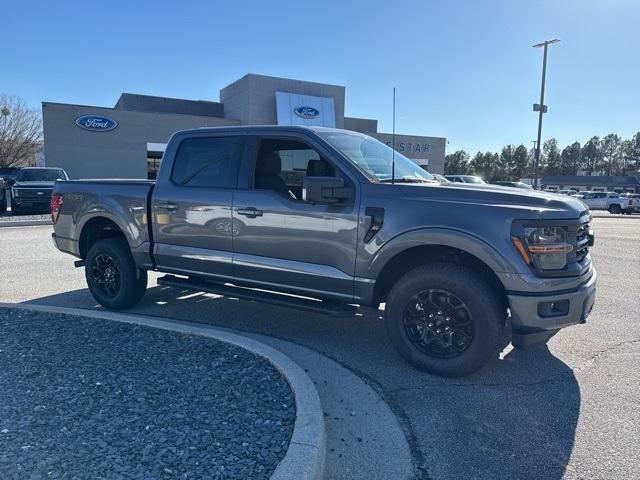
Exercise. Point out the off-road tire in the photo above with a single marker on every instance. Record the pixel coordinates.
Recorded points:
(487, 312)
(132, 281)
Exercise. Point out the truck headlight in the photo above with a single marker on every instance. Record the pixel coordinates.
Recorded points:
(544, 247)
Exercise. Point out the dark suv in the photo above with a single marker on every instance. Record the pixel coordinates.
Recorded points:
(31, 190)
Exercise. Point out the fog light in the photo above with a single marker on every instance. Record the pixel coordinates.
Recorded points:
(553, 309)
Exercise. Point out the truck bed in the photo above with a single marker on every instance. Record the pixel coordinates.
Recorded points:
(123, 201)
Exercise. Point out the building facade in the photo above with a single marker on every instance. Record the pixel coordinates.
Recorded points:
(599, 183)
(127, 141)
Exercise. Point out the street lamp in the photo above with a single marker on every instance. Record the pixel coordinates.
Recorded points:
(541, 108)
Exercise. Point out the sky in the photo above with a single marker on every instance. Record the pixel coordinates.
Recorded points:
(464, 70)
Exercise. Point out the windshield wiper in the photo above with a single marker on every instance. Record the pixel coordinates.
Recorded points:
(407, 180)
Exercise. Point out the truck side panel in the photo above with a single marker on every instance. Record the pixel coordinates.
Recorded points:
(122, 202)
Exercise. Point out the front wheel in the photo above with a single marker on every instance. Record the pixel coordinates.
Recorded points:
(445, 319)
(112, 276)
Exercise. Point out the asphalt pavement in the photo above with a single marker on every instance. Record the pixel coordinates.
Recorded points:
(569, 410)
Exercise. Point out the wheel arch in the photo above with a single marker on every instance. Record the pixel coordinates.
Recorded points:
(420, 248)
(97, 228)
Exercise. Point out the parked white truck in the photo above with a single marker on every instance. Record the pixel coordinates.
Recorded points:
(610, 201)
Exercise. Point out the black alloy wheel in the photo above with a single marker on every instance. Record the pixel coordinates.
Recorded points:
(445, 318)
(112, 275)
(438, 323)
(106, 275)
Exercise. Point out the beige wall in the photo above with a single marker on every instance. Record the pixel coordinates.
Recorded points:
(252, 99)
(118, 153)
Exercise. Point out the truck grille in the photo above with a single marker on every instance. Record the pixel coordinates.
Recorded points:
(32, 193)
(582, 242)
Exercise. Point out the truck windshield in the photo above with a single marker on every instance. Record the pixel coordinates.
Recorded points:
(375, 159)
(40, 175)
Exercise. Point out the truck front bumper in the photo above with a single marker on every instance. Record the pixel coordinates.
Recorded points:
(534, 314)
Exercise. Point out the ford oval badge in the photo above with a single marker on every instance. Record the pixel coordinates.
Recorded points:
(97, 123)
(306, 112)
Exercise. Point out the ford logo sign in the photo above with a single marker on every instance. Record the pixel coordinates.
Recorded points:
(306, 112)
(96, 123)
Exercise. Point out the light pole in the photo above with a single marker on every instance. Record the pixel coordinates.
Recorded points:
(541, 108)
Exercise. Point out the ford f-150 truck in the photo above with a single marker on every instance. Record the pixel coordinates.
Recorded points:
(330, 220)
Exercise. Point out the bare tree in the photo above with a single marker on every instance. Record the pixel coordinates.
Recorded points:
(20, 132)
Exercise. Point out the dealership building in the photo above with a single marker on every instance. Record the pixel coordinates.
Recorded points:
(127, 141)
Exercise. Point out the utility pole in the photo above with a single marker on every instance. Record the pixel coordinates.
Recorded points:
(541, 108)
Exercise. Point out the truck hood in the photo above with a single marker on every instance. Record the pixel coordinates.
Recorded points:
(524, 203)
(39, 184)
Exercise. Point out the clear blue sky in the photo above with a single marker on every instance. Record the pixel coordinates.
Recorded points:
(464, 70)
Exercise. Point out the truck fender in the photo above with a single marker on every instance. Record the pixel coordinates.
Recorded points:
(470, 244)
(135, 234)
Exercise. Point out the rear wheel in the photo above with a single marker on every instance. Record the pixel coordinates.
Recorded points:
(445, 319)
(112, 276)
(614, 209)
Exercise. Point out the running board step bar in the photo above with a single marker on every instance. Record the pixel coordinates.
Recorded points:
(335, 309)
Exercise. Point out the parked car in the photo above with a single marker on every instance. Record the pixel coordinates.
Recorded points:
(522, 185)
(634, 202)
(582, 193)
(440, 178)
(346, 231)
(31, 190)
(464, 179)
(610, 201)
(3, 196)
(9, 174)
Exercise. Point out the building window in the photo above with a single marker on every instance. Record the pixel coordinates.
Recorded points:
(153, 164)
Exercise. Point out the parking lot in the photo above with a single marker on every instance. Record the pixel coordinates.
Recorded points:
(571, 410)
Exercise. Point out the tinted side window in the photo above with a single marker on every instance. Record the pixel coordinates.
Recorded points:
(206, 162)
(282, 164)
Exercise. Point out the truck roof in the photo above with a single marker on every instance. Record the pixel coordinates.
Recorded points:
(245, 128)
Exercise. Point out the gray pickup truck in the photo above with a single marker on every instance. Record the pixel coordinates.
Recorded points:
(332, 221)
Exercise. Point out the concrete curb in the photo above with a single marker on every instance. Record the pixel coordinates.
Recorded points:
(305, 458)
(25, 223)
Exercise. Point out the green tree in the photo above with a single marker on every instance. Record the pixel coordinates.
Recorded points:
(591, 154)
(551, 154)
(483, 164)
(520, 161)
(504, 167)
(456, 163)
(630, 153)
(611, 155)
(570, 159)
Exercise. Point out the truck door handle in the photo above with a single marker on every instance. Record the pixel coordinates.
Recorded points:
(168, 206)
(251, 212)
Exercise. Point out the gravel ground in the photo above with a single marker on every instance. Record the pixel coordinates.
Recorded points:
(84, 398)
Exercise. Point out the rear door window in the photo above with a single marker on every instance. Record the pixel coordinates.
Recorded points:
(207, 162)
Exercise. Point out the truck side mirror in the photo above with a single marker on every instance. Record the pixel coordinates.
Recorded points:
(325, 190)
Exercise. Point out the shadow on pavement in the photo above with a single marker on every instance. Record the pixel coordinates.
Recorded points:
(516, 418)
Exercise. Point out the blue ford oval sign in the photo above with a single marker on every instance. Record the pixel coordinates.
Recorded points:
(306, 112)
(96, 123)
